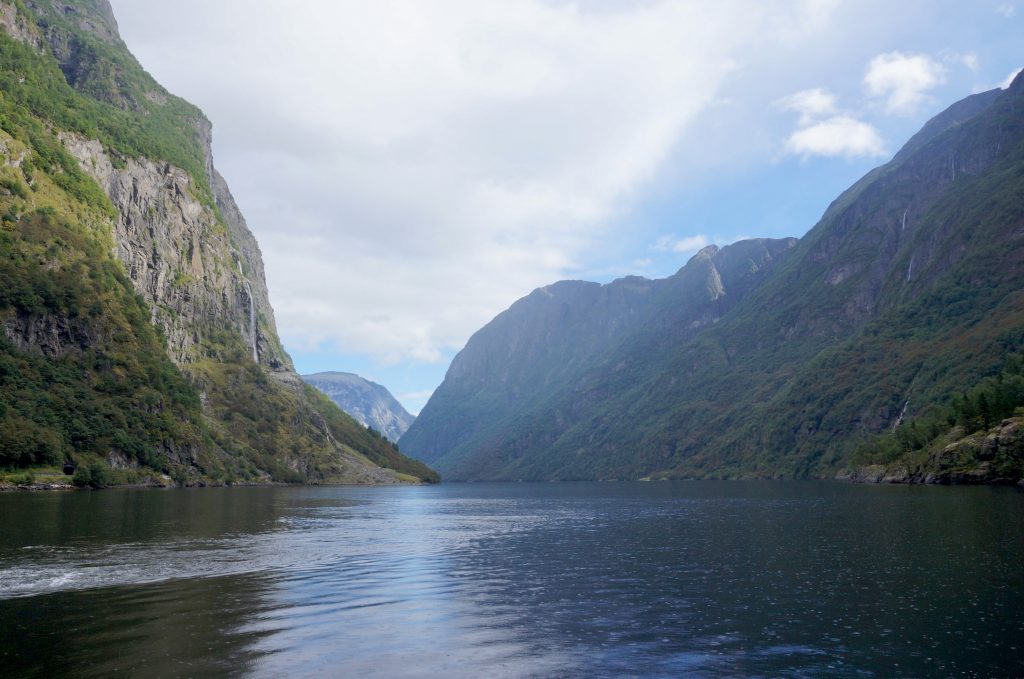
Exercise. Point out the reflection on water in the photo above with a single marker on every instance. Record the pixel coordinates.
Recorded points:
(665, 579)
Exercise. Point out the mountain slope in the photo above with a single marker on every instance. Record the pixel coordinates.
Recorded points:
(174, 341)
(530, 362)
(907, 290)
(371, 404)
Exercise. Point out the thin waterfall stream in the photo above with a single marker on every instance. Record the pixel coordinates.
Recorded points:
(252, 313)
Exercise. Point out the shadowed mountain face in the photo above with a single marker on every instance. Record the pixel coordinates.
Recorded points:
(765, 358)
(371, 404)
(537, 353)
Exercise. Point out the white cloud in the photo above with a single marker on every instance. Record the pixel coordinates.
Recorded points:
(968, 60)
(1006, 9)
(1010, 78)
(412, 168)
(810, 104)
(903, 80)
(683, 245)
(838, 136)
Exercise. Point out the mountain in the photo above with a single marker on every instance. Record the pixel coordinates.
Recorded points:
(137, 333)
(533, 357)
(368, 402)
(909, 290)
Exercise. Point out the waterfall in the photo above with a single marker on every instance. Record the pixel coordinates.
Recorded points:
(903, 414)
(253, 332)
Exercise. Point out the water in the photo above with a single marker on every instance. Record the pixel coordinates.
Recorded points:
(510, 580)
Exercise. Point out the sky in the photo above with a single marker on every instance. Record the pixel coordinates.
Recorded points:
(412, 167)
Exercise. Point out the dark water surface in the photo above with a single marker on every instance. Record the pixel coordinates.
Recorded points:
(508, 580)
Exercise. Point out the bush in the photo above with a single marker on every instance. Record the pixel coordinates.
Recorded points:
(95, 474)
(23, 443)
(179, 475)
(13, 187)
(82, 477)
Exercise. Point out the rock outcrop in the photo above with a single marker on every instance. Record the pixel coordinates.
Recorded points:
(371, 404)
(988, 457)
(180, 258)
(19, 27)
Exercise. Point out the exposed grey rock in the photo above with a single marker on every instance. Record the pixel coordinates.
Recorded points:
(368, 402)
(49, 334)
(181, 258)
(202, 277)
(18, 27)
(95, 17)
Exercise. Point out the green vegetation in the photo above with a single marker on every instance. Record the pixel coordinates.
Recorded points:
(48, 154)
(123, 107)
(101, 379)
(268, 427)
(93, 475)
(181, 279)
(969, 413)
(369, 441)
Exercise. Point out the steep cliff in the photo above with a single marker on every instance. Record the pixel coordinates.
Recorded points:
(907, 290)
(94, 147)
(371, 404)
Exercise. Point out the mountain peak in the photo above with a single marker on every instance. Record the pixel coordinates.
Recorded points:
(764, 358)
(371, 404)
(707, 252)
(1017, 84)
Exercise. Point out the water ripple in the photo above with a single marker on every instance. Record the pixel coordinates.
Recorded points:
(515, 580)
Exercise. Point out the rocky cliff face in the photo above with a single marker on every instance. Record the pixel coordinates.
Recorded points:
(99, 148)
(371, 404)
(19, 26)
(180, 257)
(199, 271)
(908, 289)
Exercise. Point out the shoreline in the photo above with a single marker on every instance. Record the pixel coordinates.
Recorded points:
(58, 487)
(855, 477)
(842, 478)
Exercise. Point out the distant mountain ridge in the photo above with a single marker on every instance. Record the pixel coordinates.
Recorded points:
(534, 355)
(910, 288)
(371, 404)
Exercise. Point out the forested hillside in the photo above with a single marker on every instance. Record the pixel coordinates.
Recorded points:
(909, 291)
